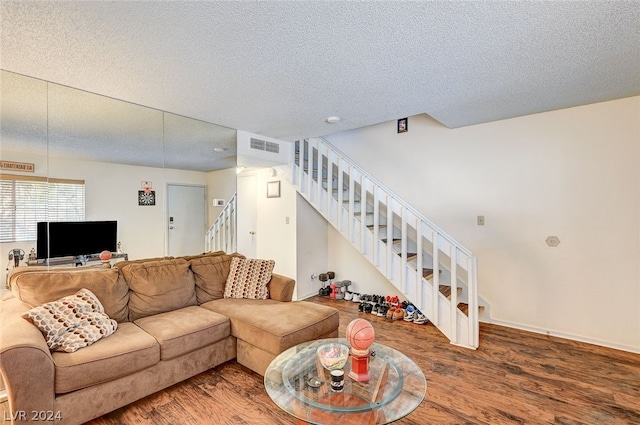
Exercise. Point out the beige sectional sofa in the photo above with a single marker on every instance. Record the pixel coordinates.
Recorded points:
(173, 323)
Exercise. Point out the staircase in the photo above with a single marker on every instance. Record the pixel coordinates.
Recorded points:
(221, 235)
(402, 244)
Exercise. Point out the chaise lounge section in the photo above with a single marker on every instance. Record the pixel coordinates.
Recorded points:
(173, 322)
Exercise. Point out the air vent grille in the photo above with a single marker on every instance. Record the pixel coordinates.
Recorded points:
(272, 147)
(263, 145)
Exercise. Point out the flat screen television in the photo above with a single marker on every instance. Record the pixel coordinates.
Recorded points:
(75, 238)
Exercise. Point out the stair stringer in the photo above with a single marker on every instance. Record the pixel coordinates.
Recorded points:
(332, 184)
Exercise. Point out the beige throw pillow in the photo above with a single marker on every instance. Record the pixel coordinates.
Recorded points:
(248, 278)
(72, 322)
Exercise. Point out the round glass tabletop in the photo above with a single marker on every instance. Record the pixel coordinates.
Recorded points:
(299, 385)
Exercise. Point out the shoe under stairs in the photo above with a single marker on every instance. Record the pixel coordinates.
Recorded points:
(401, 243)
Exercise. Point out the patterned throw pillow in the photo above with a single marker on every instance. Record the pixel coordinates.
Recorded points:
(248, 278)
(72, 322)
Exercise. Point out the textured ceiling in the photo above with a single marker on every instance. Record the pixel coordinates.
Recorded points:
(279, 68)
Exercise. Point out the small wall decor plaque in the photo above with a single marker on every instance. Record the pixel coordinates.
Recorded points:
(403, 125)
(26, 167)
(273, 189)
(146, 198)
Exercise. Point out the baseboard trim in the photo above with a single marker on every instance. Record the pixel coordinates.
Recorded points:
(563, 335)
(304, 297)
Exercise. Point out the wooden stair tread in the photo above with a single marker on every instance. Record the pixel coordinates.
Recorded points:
(464, 307)
(446, 290)
(428, 273)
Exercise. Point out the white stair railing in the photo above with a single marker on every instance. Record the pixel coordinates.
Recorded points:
(398, 240)
(221, 235)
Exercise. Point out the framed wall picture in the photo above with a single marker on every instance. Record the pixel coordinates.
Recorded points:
(403, 125)
(146, 198)
(273, 189)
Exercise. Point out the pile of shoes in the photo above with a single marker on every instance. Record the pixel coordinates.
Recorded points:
(352, 296)
(412, 314)
(373, 304)
(390, 307)
(395, 312)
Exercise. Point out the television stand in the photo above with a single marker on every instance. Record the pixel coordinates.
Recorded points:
(75, 261)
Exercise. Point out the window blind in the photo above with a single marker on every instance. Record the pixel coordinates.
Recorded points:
(26, 200)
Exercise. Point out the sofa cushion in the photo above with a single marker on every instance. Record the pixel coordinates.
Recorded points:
(248, 278)
(187, 329)
(275, 326)
(72, 322)
(159, 286)
(39, 285)
(210, 273)
(128, 350)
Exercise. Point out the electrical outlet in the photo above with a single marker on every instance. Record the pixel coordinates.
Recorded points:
(480, 220)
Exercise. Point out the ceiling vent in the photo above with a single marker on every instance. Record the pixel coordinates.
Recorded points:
(263, 145)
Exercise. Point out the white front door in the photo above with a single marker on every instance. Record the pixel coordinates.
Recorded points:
(186, 219)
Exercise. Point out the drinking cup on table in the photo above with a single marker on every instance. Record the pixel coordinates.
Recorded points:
(337, 380)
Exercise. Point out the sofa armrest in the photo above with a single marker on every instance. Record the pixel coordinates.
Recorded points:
(281, 287)
(26, 363)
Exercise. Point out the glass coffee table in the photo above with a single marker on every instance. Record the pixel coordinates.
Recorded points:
(299, 385)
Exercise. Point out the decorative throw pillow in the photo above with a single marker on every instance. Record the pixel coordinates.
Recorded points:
(248, 278)
(72, 322)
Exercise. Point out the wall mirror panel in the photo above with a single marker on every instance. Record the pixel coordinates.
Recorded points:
(114, 148)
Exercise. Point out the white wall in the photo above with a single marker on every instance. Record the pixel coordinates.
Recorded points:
(276, 239)
(313, 249)
(111, 193)
(573, 173)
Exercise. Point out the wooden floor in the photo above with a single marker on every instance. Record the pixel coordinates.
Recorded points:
(514, 377)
